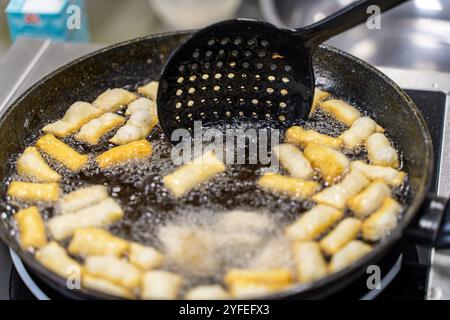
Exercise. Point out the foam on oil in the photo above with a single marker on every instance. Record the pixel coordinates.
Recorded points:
(225, 223)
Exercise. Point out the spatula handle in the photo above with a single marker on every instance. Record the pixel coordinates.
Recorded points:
(343, 20)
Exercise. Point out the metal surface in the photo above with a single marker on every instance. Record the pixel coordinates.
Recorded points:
(439, 278)
(26, 278)
(418, 30)
(403, 77)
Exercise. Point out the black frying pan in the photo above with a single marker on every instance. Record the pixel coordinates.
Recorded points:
(139, 60)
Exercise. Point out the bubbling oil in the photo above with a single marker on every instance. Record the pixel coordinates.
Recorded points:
(154, 217)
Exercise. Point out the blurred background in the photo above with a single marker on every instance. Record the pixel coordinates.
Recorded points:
(415, 35)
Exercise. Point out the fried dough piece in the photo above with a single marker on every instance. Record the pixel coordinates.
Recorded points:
(346, 231)
(194, 173)
(340, 110)
(161, 285)
(391, 176)
(136, 150)
(33, 166)
(96, 242)
(299, 136)
(31, 228)
(94, 130)
(76, 116)
(106, 286)
(357, 134)
(82, 198)
(150, 90)
(252, 282)
(294, 161)
(142, 120)
(33, 192)
(62, 153)
(331, 163)
(115, 270)
(55, 258)
(313, 222)
(293, 187)
(347, 255)
(207, 292)
(100, 215)
(144, 257)
(310, 262)
(113, 100)
(370, 199)
(382, 221)
(142, 104)
(319, 96)
(337, 195)
(380, 151)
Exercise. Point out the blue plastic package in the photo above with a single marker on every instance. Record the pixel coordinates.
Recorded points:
(64, 20)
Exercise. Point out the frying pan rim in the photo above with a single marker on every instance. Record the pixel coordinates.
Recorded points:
(410, 213)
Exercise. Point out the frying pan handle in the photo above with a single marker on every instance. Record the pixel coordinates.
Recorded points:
(432, 228)
(443, 238)
(345, 19)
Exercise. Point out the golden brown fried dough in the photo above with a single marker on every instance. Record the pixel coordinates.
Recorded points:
(292, 187)
(96, 242)
(33, 192)
(313, 222)
(370, 199)
(331, 163)
(150, 90)
(340, 110)
(337, 195)
(299, 136)
(346, 231)
(31, 228)
(348, 254)
(319, 96)
(136, 150)
(252, 282)
(62, 153)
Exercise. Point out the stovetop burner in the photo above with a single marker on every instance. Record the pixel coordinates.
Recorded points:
(404, 270)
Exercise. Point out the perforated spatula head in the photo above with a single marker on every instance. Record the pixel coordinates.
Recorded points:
(245, 70)
(235, 70)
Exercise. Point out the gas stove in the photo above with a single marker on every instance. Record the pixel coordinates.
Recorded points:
(408, 271)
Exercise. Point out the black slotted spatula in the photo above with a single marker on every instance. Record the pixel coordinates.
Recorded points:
(245, 70)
